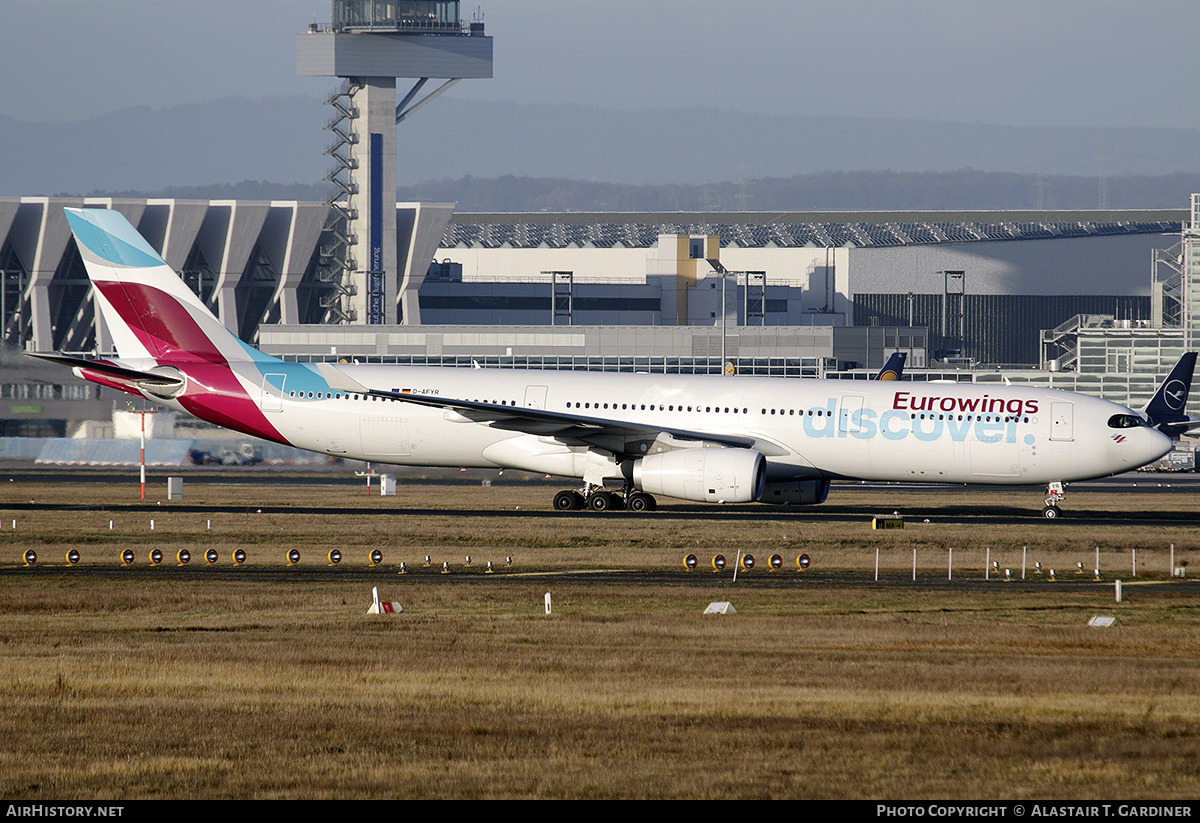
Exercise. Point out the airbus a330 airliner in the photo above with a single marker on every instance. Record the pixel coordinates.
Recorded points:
(713, 439)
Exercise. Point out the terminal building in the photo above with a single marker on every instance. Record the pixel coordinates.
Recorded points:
(1100, 302)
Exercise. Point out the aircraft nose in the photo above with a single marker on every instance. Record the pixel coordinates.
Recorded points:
(1154, 446)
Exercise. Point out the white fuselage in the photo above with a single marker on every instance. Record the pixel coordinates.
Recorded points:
(869, 430)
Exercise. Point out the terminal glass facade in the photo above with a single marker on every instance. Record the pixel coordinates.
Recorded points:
(753, 366)
(396, 15)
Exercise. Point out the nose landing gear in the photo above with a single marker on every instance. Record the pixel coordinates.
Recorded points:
(1054, 494)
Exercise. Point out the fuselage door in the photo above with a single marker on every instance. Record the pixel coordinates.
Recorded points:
(535, 397)
(850, 414)
(271, 398)
(1062, 421)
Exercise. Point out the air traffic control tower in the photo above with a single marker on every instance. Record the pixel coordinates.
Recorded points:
(370, 44)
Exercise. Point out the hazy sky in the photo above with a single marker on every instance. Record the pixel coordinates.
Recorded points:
(1012, 62)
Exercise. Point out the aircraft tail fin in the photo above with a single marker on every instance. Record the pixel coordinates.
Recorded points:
(171, 347)
(894, 367)
(149, 310)
(1168, 407)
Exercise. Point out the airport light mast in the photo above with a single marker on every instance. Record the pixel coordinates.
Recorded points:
(1190, 286)
(369, 44)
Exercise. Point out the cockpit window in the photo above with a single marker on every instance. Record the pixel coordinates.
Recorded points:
(1125, 421)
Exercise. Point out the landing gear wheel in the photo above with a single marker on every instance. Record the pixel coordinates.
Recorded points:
(568, 501)
(603, 501)
(640, 502)
(1052, 512)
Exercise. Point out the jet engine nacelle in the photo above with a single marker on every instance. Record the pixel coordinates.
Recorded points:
(703, 475)
(796, 492)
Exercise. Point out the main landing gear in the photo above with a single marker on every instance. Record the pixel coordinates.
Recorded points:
(599, 500)
(1054, 494)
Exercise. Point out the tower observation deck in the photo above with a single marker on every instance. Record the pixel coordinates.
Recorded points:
(370, 44)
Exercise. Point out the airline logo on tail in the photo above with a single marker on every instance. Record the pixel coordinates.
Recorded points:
(893, 368)
(1167, 409)
(1175, 395)
(149, 310)
(156, 320)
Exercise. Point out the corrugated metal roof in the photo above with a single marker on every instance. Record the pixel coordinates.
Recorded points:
(789, 229)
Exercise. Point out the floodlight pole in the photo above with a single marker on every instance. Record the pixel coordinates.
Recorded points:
(724, 314)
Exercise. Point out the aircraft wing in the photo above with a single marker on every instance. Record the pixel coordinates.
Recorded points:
(617, 436)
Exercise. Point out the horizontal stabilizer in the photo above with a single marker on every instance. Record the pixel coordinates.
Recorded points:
(165, 383)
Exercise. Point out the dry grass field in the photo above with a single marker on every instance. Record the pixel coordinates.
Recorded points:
(269, 682)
